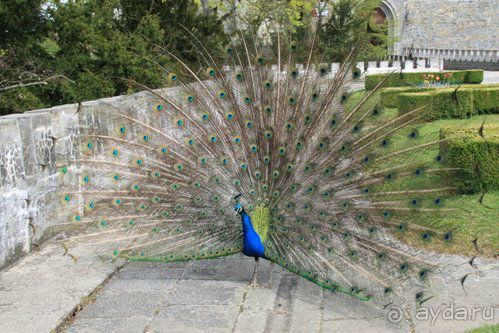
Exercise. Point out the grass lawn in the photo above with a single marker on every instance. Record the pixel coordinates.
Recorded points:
(485, 329)
(470, 219)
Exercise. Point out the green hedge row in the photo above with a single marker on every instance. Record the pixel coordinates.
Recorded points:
(441, 104)
(476, 156)
(472, 76)
(388, 97)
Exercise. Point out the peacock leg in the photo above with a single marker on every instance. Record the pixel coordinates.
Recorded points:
(254, 277)
(269, 285)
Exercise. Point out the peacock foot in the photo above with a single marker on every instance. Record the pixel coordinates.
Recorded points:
(255, 285)
(268, 285)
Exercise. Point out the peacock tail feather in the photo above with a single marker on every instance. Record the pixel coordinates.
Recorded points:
(330, 186)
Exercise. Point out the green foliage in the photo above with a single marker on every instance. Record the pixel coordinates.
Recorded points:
(411, 101)
(473, 76)
(283, 12)
(87, 86)
(484, 99)
(175, 18)
(21, 21)
(350, 25)
(18, 100)
(389, 96)
(22, 24)
(485, 329)
(475, 155)
(478, 219)
(96, 46)
(438, 104)
(412, 79)
(447, 103)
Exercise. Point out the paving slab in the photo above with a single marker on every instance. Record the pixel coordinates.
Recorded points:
(125, 304)
(43, 288)
(103, 325)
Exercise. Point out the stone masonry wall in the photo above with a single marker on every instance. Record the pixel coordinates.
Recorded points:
(33, 146)
(444, 24)
(452, 24)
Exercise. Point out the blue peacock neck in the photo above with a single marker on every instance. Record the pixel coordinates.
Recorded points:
(246, 221)
(252, 243)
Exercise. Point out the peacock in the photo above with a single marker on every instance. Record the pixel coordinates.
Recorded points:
(261, 155)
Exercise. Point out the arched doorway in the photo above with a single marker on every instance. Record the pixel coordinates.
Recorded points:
(377, 27)
(385, 14)
(378, 16)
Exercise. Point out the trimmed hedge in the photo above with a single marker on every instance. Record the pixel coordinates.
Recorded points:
(486, 100)
(440, 103)
(388, 97)
(476, 156)
(472, 76)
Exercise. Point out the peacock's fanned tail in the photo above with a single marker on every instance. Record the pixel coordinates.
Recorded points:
(156, 178)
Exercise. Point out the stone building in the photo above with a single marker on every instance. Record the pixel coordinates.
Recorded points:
(463, 33)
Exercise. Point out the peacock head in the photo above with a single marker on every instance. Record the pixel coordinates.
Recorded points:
(238, 207)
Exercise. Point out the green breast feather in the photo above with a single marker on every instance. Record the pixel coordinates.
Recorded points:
(260, 218)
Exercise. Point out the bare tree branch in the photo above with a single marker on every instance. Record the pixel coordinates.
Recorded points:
(27, 84)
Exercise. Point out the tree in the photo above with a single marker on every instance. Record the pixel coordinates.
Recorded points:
(97, 45)
(22, 26)
(348, 26)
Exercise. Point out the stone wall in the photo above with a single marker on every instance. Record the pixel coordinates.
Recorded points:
(445, 25)
(30, 146)
(33, 147)
(488, 66)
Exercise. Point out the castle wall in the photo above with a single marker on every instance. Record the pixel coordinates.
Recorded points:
(464, 30)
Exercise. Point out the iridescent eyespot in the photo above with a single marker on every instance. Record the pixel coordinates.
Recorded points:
(172, 77)
(267, 134)
(210, 71)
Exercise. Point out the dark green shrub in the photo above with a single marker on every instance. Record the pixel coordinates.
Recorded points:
(444, 106)
(471, 100)
(411, 101)
(476, 157)
(18, 100)
(473, 76)
(356, 73)
(486, 100)
(388, 97)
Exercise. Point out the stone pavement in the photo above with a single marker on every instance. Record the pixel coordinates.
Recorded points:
(490, 77)
(44, 289)
(213, 296)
